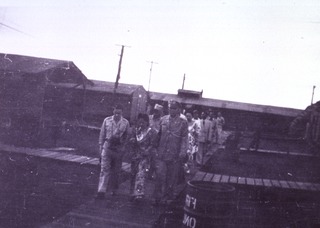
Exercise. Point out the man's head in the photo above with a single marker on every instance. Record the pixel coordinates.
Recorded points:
(174, 108)
(158, 110)
(203, 115)
(143, 121)
(195, 114)
(211, 113)
(117, 112)
(189, 116)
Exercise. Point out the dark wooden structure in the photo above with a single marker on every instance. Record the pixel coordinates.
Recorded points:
(30, 99)
(100, 100)
(244, 116)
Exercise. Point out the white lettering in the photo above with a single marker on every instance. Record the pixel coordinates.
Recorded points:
(191, 202)
(189, 221)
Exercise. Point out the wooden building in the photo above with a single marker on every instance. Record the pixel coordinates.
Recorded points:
(30, 99)
(100, 100)
(245, 116)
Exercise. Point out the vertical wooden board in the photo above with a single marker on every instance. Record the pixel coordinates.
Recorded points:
(208, 177)
(258, 182)
(224, 179)
(216, 178)
(275, 183)
(267, 182)
(233, 180)
(249, 181)
(199, 176)
(284, 184)
(241, 180)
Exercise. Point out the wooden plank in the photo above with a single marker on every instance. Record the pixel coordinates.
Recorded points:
(208, 177)
(94, 161)
(233, 179)
(126, 166)
(267, 182)
(241, 180)
(293, 185)
(48, 154)
(59, 154)
(216, 178)
(258, 182)
(224, 179)
(317, 186)
(85, 161)
(311, 186)
(275, 183)
(64, 158)
(284, 184)
(302, 186)
(34, 153)
(199, 176)
(89, 161)
(71, 157)
(80, 159)
(249, 181)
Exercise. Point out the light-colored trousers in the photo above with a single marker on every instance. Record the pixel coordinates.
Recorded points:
(202, 150)
(111, 162)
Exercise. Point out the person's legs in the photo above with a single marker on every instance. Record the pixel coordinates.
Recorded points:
(199, 154)
(171, 177)
(160, 169)
(104, 173)
(116, 164)
(139, 189)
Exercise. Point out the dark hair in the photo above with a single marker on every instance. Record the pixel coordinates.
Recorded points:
(143, 116)
(195, 112)
(118, 106)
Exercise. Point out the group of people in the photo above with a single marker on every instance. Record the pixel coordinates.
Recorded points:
(158, 146)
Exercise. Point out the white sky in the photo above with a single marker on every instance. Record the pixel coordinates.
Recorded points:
(255, 51)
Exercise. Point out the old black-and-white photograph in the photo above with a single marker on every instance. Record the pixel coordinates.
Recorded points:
(160, 114)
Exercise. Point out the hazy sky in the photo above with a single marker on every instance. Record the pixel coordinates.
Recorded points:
(254, 51)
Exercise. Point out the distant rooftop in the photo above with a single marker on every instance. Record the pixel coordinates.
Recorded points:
(226, 104)
(34, 65)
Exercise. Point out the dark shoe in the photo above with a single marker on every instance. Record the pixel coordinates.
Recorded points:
(100, 195)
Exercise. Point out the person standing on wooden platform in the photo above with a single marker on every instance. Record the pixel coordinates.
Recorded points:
(172, 149)
(112, 139)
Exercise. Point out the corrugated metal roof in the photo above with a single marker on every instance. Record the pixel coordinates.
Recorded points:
(227, 104)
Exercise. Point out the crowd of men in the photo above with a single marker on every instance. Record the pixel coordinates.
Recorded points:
(159, 145)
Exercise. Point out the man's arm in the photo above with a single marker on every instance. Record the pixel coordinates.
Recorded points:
(184, 139)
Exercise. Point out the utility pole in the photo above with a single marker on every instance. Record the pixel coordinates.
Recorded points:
(119, 70)
(151, 62)
(184, 78)
(313, 88)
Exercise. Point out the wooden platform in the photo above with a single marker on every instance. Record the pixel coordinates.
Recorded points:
(258, 182)
(56, 154)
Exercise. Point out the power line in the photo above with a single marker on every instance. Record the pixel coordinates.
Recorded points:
(14, 29)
